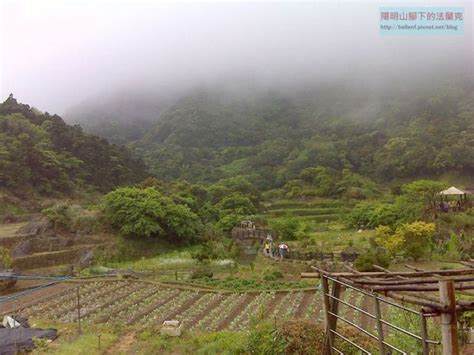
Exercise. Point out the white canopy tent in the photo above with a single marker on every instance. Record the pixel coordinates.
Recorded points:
(454, 191)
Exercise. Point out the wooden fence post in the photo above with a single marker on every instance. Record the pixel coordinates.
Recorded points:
(327, 317)
(378, 316)
(449, 329)
(330, 305)
(424, 335)
(79, 310)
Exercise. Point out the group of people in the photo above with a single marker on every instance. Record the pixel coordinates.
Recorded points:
(271, 250)
(453, 205)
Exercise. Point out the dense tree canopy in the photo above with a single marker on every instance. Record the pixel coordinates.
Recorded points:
(42, 152)
(272, 138)
(147, 212)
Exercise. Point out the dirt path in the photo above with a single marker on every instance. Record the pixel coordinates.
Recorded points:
(301, 310)
(122, 345)
(240, 307)
(204, 312)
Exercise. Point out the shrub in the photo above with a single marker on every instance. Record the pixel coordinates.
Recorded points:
(264, 339)
(366, 262)
(73, 218)
(290, 228)
(272, 275)
(5, 258)
(372, 214)
(385, 238)
(202, 273)
(413, 239)
(454, 248)
(424, 190)
(417, 238)
(216, 249)
(302, 337)
(227, 222)
(59, 214)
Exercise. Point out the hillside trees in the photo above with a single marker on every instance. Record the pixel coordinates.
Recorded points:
(410, 206)
(28, 157)
(180, 210)
(146, 212)
(41, 152)
(272, 138)
(413, 239)
(425, 191)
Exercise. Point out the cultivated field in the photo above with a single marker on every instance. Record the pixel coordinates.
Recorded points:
(145, 304)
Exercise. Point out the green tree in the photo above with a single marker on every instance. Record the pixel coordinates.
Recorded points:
(146, 212)
(417, 238)
(236, 203)
(424, 190)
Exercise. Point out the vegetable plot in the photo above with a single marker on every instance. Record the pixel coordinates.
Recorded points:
(145, 304)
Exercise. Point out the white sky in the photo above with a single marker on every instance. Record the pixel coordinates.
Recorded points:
(54, 54)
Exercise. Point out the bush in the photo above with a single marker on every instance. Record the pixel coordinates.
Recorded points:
(226, 223)
(371, 214)
(272, 275)
(202, 273)
(290, 228)
(216, 249)
(60, 215)
(366, 262)
(5, 258)
(73, 218)
(385, 238)
(263, 339)
(302, 337)
(417, 238)
(413, 239)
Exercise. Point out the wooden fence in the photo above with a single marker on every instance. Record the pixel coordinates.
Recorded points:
(249, 233)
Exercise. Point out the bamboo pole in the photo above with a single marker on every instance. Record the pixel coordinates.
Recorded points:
(469, 271)
(328, 343)
(414, 288)
(413, 267)
(470, 264)
(310, 275)
(467, 292)
(407, 281)
(402, 297)
(448, 319)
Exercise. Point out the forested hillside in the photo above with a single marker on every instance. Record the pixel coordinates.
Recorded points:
(41, 153)
(272, 137)
(120, 117)
(321, 141)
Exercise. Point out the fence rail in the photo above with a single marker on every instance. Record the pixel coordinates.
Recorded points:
(250, 233)
(331, 301)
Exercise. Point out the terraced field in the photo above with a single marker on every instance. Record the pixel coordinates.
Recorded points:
(320, 210)
(145, 304)
(32, 250)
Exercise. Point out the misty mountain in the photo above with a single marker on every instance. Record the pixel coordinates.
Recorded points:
(273, 136)
(120, 117)
(40, 152)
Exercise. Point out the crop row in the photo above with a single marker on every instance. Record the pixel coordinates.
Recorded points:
(143, 304)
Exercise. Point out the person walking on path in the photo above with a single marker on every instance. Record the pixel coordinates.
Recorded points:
(283, 248)
(266, 248)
